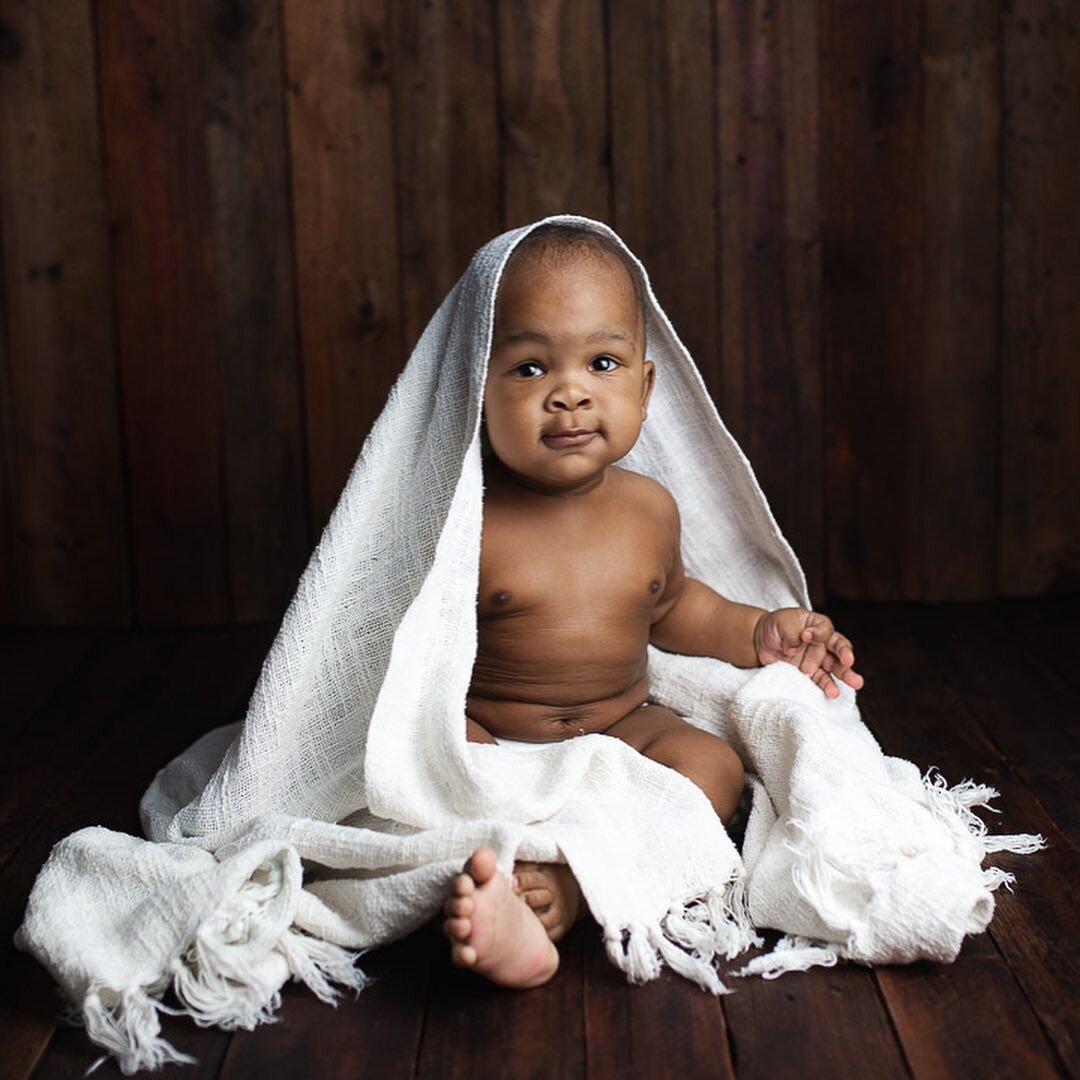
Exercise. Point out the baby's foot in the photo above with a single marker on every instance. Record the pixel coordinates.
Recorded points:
(552, 891)
(493, 931)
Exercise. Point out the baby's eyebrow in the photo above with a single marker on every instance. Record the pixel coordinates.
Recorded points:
(612, 334)
(526, 335)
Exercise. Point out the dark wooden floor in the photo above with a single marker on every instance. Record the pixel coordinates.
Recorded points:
(988, 691)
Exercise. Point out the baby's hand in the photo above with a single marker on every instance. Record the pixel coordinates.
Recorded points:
(808, 640)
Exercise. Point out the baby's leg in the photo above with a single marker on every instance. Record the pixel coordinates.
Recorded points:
(475, 732)
(549, 890)
(493, 930)
(705, 759)
(552, 891)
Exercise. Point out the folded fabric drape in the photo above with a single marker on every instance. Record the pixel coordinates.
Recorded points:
(332, 819)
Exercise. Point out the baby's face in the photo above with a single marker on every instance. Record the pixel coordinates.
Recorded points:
(568, 383)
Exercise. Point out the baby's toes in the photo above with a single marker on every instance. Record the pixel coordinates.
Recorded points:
(526, 878)
(462, 885)
(538, 898)
(463, 955)
(550, 917)
(458, 906)
(457, 929)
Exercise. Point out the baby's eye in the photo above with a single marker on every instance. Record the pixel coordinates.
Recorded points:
(529, 370)
(604, 363)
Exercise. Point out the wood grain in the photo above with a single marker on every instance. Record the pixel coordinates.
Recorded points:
(555, 148)
(477, 1031)
(81, 712)
(225, 224)
(1040, 384)
(374, 1034)
(446, 145)
(1027, 719)
(832, 1015)
(1049, 630)
(159, 202)
(1008, 1006)
(341, 161)
(668, 1027)
(873, 288)
(770, 259)
(255, 318)
(65, 529)
(7, 475)
(203, 683)
(941, 1012)
(663, 161)
(957, 428)
(935, 714)
(942, 1016)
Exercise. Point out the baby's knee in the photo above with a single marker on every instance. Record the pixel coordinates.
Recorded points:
(730, 781)
(717, 770)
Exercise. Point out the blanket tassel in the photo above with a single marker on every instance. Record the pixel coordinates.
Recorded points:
(127, 1026)
(215, 989)
(219, 989)
(689, 940)
(954, 806)
(792, 953)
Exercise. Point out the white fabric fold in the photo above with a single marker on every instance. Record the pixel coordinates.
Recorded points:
(352, 762)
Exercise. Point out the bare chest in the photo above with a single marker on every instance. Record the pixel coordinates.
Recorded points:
(571, 571)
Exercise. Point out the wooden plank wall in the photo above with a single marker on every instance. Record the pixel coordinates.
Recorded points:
(224, 223)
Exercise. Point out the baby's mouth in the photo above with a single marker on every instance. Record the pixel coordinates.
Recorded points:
(574, 437)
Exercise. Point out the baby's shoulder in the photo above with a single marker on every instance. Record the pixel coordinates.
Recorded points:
(647, 493)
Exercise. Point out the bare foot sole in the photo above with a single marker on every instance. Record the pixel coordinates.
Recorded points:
(494, 932)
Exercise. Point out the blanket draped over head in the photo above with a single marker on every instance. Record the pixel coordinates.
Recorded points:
(333, 818)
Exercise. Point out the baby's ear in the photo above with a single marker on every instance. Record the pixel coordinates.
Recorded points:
(648, 381)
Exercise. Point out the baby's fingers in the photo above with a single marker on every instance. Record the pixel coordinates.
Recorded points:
(841, 648)
(817, 628)
(812, 660)
(853, 679)
(825, 683)
(839, 670)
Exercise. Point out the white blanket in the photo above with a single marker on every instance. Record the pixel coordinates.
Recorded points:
(333, 818)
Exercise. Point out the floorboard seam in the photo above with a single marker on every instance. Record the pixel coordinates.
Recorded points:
(419, 1049)
(883, 998)
(1016, 772)
(1047, 1034)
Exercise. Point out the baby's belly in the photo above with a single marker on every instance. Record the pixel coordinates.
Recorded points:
(540, 679)
(531, 721)
(558, 697)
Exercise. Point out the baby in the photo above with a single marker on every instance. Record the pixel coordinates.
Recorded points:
(580, 569)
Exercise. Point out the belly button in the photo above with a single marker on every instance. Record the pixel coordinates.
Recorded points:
(654, 586)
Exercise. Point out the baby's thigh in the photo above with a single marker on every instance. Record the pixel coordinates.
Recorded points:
(645, 725)
(706, 759)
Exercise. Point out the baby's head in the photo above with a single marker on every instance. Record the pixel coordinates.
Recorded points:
(556, 244)
(568, 384)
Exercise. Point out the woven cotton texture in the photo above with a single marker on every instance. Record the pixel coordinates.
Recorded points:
(352, 760)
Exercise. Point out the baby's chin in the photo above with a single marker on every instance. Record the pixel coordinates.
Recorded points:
(562, 480)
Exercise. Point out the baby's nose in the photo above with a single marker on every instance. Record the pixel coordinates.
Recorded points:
(569, 397)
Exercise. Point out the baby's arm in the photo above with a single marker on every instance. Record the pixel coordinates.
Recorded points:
(693, 619)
